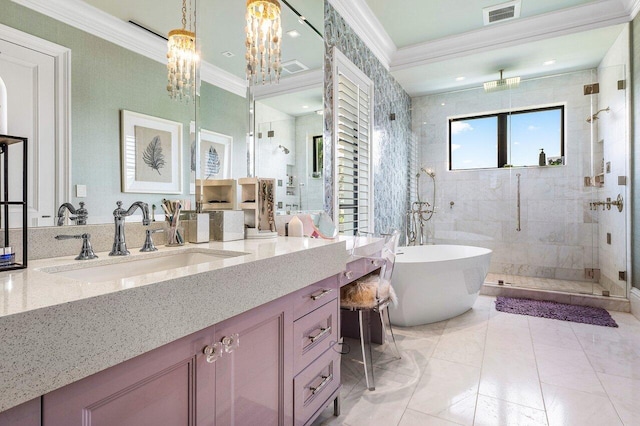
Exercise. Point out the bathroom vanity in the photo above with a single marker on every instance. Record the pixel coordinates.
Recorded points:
(245, 339)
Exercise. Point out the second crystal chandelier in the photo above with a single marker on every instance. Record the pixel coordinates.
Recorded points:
(264, 35)
(182, 60)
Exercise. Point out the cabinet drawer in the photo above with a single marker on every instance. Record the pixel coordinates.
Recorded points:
(312, 297)
(314, 333)
(313, 387)
(356, 269)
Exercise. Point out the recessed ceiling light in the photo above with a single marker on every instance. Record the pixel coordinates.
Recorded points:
(459, 78)
(549, 62)
(443, 104)
(305, 106)
(228, 54)
(293, 34)
(320, 112)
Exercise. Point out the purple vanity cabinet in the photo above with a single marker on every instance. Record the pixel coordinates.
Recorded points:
(273, 365)
(156, 388)
(27, 414)
(253, 382)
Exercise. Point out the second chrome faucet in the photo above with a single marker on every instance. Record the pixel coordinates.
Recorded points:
(119, 215)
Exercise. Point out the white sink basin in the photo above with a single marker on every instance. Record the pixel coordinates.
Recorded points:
(118, 268)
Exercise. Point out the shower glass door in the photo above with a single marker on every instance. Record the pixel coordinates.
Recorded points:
(565, 232)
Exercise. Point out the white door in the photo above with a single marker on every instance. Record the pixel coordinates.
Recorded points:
(29, 78)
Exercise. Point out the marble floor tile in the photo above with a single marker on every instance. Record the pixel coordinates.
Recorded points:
(624, 394)
(571, 407)
(567, 368)
(511, 376)
(447, 390)
(416, 418)
(492, 411)
(491, 368)
(553, 333)
(383, 406)
(462, 347)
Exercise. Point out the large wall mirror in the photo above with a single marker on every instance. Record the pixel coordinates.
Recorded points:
(117, 66)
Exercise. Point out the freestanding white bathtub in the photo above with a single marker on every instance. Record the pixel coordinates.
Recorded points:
(436, 282)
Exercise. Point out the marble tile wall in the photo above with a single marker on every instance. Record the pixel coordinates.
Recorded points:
(392, 139)
(558, 231)
(271, 161)
(307, 127)
(612, 132)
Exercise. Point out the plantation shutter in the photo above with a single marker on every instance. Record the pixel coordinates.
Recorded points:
(354, 186)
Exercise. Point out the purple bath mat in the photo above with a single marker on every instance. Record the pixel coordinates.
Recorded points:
(555, 310)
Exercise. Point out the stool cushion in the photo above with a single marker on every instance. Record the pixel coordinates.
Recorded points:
(361, 294)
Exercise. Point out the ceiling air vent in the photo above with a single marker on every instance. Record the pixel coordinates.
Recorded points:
(501, 12)
(293, 67)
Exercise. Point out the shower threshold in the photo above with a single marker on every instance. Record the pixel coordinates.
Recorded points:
(550, 284)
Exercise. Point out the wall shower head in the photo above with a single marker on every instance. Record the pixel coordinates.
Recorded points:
(284, 149)
(594, 117)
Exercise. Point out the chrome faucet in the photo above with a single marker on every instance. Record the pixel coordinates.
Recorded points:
(119, 214)
(81, 214)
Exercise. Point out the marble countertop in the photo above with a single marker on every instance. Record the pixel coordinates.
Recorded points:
(56, 330)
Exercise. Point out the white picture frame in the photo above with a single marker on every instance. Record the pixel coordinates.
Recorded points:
(151, 150)
(222, 145)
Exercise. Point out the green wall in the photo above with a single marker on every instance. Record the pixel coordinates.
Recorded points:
(107, 78)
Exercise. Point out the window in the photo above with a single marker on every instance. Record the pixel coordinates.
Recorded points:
(353, 100)
(506, 139)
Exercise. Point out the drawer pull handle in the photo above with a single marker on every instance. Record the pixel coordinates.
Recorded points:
(323, 331)
(320, 295)
(348, 274)
(213, 352)
(325, 380)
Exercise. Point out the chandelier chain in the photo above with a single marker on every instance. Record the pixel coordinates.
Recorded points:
(184, 14)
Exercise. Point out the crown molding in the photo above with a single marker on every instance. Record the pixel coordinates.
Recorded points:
(367, 26)
(633, 7)
(221, 78)
(87, 18)
(581, 18)
(296, 83)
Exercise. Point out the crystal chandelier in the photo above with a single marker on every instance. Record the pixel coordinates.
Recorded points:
(182, 60)
(264, 34)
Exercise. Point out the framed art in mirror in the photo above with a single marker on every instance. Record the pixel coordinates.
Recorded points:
(151, 150)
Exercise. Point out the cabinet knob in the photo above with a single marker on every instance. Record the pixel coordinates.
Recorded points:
(348, 274)
(213, 352)
(231, 342)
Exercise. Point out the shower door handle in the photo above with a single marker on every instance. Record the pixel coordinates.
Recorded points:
(518, 228)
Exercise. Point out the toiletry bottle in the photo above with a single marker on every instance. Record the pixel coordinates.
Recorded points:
(295, 227)
(542, 160)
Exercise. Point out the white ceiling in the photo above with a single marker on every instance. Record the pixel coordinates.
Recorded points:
(221, 28)
(427, 45)
(410, 22)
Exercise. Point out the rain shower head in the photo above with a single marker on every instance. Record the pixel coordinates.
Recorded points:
(594, 117)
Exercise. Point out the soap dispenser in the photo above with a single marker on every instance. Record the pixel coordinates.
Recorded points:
(542, 160)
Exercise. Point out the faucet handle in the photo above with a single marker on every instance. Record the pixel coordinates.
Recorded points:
(148, 242)
(86, 253)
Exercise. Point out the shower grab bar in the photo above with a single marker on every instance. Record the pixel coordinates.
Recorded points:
(518, 205)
